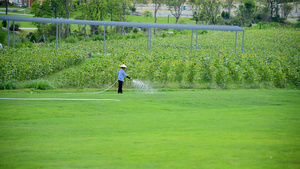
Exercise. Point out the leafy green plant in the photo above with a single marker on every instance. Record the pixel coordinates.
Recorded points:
(3, 35)
(4, 23)
(71, 39)
(33, 38)
(39, 84)
(98, 38)
(10, 84)
(239, 21)
(135, 30)
(39, 61)
(225, 15)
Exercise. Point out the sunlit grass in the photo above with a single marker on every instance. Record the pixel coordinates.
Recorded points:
(173, 129)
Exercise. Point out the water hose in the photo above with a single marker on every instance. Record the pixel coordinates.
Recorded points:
(97, 92)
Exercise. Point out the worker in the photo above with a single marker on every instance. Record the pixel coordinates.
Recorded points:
(121, 76)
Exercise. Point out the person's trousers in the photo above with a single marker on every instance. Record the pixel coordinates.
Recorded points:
(120, 86)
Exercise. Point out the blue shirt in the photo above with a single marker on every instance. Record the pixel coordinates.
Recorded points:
(122, 74)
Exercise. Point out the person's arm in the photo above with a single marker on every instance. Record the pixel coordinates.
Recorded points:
(126, 75)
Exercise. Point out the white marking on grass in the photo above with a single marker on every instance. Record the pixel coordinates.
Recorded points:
(58, 99)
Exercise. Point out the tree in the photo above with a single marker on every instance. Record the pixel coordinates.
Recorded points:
(143, 2)
(157, 5)
(229, 5)
(125, 4)
(200, 16)
(94, 10)
(56, 8)
(247, 10)
(210, 10)
(113, 8)
(147, 14)
(250, 8)
(197, 15)
(67, 4)
(175, 7)
(42, 10)
(6, 6)
(273, 7)
(296, 4)
(286, 9)
(135, 2)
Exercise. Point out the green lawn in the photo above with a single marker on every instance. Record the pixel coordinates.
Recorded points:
(166, 129)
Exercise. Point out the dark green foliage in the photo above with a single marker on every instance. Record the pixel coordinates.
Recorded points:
(297, 25)
(33, 38)
(10, 84)
(239, 21)
(132, 8)
(225, 15)
(39, 84)
(16, 27)
(4, 23)
(98, 38)
(71, 39)
(3, 35)
(135, 30)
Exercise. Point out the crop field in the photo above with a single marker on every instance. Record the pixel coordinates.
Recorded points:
(270, 60)
(166, 129)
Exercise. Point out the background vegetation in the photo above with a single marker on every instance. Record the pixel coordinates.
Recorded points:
(271, 59)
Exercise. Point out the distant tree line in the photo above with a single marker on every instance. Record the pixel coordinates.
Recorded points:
(246, 11)
(204, 11)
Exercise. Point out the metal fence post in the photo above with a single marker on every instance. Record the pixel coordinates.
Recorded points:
(8, 33)
(235, 41)
(13, 34)
(196, 41)
(104, 41)
(243, 42)
(59, 33)
(150, 38)
(56, 34)
(192, 41)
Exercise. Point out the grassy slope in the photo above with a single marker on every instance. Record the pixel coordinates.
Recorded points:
(133, 50)
(180, 129)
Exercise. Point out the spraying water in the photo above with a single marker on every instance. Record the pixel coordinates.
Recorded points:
(137, 84)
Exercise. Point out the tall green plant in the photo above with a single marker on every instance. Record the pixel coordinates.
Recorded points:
(147, 14)
(286, 9)
(247, 10)
(94, 10)
(3, 35)
(208, 10)
(175, 7)
(43, 10)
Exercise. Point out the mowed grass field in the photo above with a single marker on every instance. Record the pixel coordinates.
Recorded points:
(165, 129)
